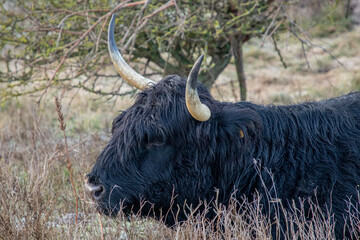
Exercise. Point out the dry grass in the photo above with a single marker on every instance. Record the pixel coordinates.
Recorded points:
(37, 199)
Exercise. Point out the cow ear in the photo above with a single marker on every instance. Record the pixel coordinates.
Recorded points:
(241, 122)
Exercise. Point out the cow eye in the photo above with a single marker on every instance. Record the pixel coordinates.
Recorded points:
(154, 145)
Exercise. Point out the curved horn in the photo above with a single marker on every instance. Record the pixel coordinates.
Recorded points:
(129, 75)
(198, 110)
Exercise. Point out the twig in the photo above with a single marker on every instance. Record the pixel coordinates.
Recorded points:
(163, 7)
(101, 227)
(128, 31)
(233, 90)
(101, 29)
(276, 27)
(309, 43)
(278, 51)
(292, 24)
(145, 20)
(67, 158)
(102, 93)
(145, 67)
(268, 29)
(121, 5)
(304, 53)
(53, 29)
(140, 15)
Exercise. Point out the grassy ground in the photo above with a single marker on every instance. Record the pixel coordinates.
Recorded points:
(324, 77)
(36, 197)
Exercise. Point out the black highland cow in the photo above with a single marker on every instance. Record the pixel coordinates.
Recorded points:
(169, 143)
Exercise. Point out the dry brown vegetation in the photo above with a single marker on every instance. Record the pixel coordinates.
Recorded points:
(36, 197)
(269, 82)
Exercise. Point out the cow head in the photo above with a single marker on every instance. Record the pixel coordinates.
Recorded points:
(167, 145)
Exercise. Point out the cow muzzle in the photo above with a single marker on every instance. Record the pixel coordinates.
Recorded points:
(94, 187)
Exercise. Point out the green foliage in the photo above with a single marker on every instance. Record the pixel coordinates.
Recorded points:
(201, 27)
(37, 35)
(63, 44)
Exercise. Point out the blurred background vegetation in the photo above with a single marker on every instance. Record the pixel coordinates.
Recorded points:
(284, 51)
(62, 44)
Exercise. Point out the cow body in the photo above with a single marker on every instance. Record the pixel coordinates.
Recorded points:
(158, 153)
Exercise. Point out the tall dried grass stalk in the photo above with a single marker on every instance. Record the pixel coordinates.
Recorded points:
(67, 158)
(101, 227)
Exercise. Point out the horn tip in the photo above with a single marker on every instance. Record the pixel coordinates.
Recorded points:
(199, 60)
(195, 72)
(113, 16)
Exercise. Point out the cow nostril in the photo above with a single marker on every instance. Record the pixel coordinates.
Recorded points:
(98, 192)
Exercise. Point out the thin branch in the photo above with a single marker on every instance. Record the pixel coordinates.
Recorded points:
(162, 8)
(145, 21)
(54, 29)
(309, 43)
(277, 26)
(278, 51)
(99, 92)
(121, 5)
(140, 15)
(305, 55)
(145, 67)
(268, 29)
(99, 36)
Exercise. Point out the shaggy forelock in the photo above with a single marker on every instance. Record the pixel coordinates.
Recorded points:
(154, 117)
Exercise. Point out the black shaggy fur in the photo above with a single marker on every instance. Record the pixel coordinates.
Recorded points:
(157, 151)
